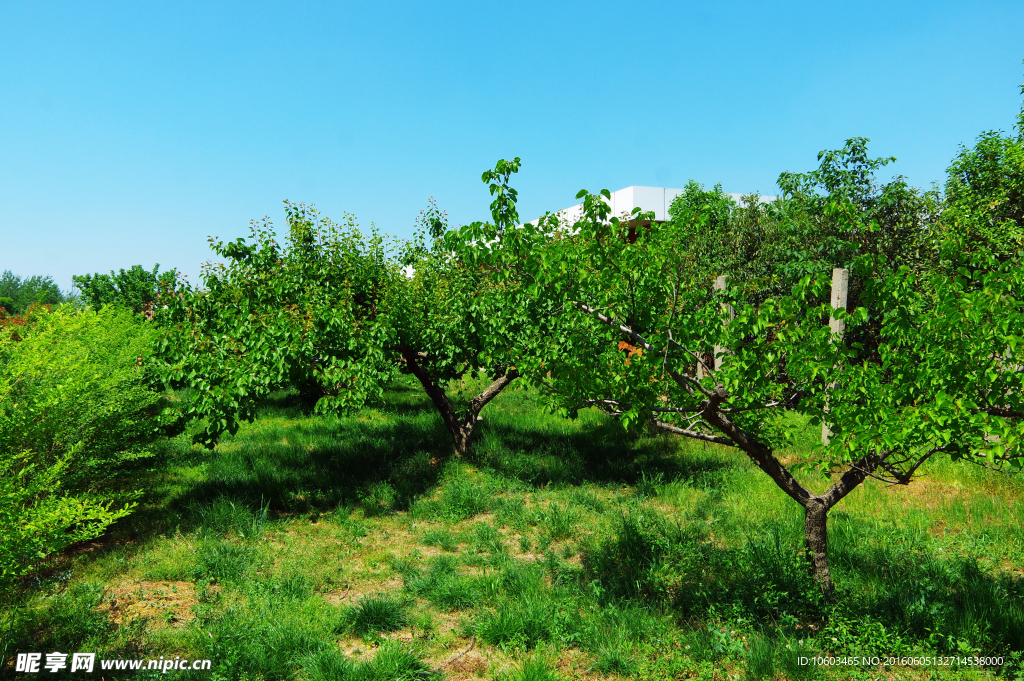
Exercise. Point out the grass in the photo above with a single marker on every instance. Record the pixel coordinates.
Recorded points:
(329, 548)
(376, 614)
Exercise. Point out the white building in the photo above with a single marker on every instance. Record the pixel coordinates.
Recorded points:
(657, 199)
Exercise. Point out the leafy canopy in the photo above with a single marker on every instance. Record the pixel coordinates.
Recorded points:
(17, 293)
(135, 288)
(310, 312)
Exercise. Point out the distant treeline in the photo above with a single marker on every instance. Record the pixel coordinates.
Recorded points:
(134, 288)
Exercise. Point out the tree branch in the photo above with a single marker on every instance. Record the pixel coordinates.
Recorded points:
(434, 391)
(481, 400)
(761, 455)
(696, 435)
(676, 410)
(999, 411)
(683, 380)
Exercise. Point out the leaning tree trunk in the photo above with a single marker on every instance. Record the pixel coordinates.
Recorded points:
(460, 427)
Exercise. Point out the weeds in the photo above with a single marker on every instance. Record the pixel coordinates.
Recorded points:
(304, 539)
(442, 585)
(377, 614)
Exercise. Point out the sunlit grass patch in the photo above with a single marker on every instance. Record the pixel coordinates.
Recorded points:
(442, 585)
(444, 539)
(377, 614)
(310, 547)
(534, 668)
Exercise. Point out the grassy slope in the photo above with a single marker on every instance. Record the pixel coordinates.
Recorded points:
(327, 548)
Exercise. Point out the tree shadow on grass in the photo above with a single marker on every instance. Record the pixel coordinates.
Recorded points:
(896, 577)
(320, 465)
(288, 463)
(955, 605)
(598, 452)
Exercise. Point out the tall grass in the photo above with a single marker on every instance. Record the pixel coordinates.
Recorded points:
(310, 547)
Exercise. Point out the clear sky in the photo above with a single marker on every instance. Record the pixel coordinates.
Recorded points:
(131, 131)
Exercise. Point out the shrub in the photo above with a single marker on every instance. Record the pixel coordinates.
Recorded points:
(77, 411)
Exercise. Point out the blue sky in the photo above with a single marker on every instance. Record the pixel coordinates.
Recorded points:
(131, 131)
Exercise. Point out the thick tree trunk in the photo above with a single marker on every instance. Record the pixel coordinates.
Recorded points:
(816, 535)
(459, 427)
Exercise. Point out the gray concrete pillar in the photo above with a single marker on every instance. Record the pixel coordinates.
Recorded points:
(720, 285)
(840, 291)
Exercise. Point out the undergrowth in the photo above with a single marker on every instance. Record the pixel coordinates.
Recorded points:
(310, 548)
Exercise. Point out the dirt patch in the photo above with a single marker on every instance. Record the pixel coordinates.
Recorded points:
(427, 552)
(161, 604)
(577, 665)
(357, 650)
(925, 493)
(467, 665)
(462, 660)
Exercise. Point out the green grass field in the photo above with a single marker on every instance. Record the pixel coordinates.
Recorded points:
(330, 548)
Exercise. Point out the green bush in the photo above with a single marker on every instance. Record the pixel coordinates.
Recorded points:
(76, 413)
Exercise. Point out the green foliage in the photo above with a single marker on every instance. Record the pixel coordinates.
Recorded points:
(503, 208)
(136, 288)
(704, 219)
(984, 204)
(451, 322)
(336, 314)
(17, 294)
(309, 314)
(78, 412)
(826, 218)
(633, 322)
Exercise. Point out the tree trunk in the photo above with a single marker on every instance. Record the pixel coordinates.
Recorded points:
(459, 427)
(816, 535)
(816, 507)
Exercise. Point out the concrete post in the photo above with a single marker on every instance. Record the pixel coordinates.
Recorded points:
(840, 291)
(720, 285)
